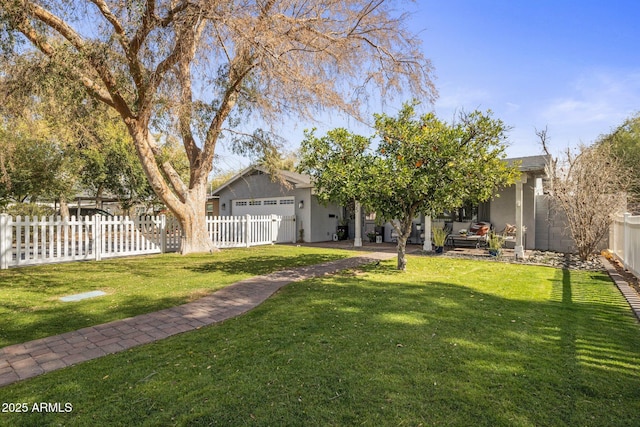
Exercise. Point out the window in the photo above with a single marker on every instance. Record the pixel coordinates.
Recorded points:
(466, 213)
(255, 203)
(241, 203)
(270, 202)
(286, 202)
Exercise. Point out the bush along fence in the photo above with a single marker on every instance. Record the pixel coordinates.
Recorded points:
(33, 240)
(624, 241)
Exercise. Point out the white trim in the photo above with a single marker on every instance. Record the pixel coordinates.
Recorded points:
(284, 206)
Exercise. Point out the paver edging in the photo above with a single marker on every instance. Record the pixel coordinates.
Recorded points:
(627, 291)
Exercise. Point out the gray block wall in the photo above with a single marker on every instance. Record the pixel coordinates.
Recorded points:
(552, 233)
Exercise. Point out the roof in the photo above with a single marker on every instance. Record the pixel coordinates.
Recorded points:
(531, 164)
(298, 180)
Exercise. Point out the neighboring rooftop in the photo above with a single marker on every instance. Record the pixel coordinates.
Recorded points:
(530, 163)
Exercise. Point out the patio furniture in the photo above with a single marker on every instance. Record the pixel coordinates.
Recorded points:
(509, 233)
(468, 234)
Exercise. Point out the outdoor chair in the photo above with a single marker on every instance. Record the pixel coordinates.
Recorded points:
(509, 234)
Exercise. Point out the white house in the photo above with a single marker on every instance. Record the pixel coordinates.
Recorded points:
(254, 191)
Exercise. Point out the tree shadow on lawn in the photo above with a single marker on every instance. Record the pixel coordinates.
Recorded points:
(257, 265)
(346, 350)
(55, 318)
(445, 353)
(71, 316)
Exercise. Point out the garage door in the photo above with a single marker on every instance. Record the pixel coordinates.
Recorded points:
(266, 206)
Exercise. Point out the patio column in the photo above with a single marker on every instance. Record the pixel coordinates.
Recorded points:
(427, 234)
(357, 241)
(519, 248)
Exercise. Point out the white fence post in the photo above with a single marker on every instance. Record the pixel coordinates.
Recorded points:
(633, 257)
(163, 234)
(6, 241)
(626, 241)
(274, 228)
(97, 237)
(295, 230)
(247, 230)
(613, 230)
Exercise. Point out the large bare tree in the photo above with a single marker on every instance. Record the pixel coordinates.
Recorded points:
(196, 67)
(589, 186)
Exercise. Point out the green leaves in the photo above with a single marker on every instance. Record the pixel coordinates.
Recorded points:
(338, 164)
(625, 147)
(421, 164)
(436, 166)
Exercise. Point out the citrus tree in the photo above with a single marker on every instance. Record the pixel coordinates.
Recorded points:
(421, 165)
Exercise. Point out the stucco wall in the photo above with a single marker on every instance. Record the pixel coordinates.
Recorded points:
(324, 220)
(552, 233)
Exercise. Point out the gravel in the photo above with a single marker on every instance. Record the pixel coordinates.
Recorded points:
(552, 259)
(561, 260)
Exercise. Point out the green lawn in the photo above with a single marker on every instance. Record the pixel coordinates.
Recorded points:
(30, 307)
(449, 342)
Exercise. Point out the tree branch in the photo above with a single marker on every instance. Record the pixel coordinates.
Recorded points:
(92, 87)
(60, 26)
(130, 48)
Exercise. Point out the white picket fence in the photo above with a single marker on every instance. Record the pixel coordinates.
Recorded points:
(33, 240)
(248, 230)
(624, 241)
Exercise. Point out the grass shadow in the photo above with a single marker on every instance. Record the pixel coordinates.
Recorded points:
(72, 316)
(256, 265)
(31, 309)
(372, 346)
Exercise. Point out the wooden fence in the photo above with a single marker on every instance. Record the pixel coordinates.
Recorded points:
(33, 240)
(624, 241)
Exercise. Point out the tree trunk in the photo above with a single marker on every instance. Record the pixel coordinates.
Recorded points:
(192, 217)
(64, 208)
(404, 230)
(188, 204)
(402, 252)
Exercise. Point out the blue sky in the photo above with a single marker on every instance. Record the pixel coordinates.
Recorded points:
(571, 66)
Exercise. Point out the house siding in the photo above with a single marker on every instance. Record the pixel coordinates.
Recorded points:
(251, 187)
(313, 218)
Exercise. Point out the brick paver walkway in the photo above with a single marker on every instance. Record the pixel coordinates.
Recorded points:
(625, 289)
(22, 361)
